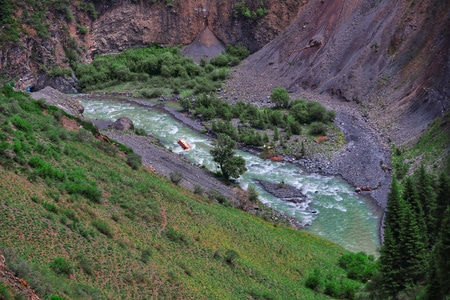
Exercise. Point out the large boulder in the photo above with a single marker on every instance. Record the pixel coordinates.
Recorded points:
(123, 123)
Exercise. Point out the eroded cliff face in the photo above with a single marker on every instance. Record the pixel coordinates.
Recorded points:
(124, 24)
(391, 57)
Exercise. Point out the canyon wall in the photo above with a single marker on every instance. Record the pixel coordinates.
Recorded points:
(390, 57)
(125, 24)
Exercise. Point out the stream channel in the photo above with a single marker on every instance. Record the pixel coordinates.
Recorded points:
(332, 209)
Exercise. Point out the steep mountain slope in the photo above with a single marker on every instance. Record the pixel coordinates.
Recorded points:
(390, 57)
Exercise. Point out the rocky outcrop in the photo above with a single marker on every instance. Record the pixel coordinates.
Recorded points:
(123, 25)
(123, 123)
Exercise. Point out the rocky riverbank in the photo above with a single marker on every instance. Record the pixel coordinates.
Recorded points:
(360, 162)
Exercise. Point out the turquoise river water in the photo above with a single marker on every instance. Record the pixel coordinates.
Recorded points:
(332, 210)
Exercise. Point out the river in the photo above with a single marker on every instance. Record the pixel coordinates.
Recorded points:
(332, 209)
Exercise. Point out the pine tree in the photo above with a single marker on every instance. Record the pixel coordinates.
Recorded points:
(390, 258)
(412, 198)
(439, 274)
(413, 254)
(427, 198)
(443, 198)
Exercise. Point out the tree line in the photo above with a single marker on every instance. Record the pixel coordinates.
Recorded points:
(414, 258)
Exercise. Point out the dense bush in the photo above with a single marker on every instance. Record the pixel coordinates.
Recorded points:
(280, 97)
(61, 266)
(313, 281)
(317, 128)
(134, 160)
(158, 67)
(359, 266)
(176, 177)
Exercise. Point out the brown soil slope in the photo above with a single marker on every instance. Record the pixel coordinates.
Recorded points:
(391, 57)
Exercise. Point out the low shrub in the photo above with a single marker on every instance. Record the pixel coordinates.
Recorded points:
(85, 264)
(176, 177)
(198, 189)
(176, 236)
(317, 128)
(359, 266)
(314, 281)
(332, 289)
(140, 131)
(231, 256)
(50, 207)
(252, 194)
(134, 161)
(216, 195)
(280, 97)
(146, 255)
(61, 266)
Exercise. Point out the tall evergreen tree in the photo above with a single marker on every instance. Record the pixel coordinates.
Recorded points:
(412, 198)
(427, 197)
(443, 198)
(439, 274)
(412, 246)
(390, 258)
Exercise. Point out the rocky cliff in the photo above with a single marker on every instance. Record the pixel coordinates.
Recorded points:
(74, 34)
(391, 57)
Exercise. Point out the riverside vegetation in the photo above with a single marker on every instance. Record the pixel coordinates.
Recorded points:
(82, 219)
(291, 127)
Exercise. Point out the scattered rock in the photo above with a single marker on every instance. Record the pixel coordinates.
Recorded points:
(123, 123)
(282, 190)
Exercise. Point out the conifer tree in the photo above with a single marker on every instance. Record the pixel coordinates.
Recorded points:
(439, 274)
(412, 246)
(443, 198)
(412, 198)
(390, 258)
(428, 199)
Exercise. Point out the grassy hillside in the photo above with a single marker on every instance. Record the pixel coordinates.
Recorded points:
(78, 222)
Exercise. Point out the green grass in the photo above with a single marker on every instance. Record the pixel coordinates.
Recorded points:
(144, 236)
(432, 149)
